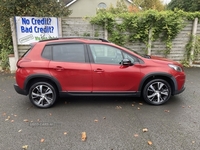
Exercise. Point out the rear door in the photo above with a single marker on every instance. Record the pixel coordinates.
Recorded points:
(71, 68)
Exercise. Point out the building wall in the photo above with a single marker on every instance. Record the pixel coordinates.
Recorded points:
(83, 8)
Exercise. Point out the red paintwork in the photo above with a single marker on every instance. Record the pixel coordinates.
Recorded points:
(90, 77)
(115, 77)
(72, 76)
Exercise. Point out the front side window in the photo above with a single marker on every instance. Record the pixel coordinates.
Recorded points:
(130, 57)
(104, 54)
(68, 53)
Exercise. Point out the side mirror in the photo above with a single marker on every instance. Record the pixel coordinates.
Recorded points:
(126, 62)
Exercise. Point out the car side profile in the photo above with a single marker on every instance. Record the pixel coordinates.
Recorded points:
(75, 66)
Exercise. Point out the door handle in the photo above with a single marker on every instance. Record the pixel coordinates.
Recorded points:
(98, 70)
(59, 68)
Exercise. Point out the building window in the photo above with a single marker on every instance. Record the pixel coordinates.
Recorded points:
(102, 5)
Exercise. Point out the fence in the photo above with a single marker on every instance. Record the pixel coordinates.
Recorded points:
(81, 27)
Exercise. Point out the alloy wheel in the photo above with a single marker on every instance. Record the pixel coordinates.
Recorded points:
(157, 92)
(42, 95)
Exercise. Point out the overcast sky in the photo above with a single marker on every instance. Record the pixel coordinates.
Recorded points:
(166, 1)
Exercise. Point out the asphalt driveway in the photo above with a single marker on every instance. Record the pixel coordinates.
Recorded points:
(110, 123)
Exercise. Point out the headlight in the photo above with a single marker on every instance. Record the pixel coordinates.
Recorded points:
(175, 67)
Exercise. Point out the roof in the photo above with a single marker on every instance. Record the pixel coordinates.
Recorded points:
(69, 2)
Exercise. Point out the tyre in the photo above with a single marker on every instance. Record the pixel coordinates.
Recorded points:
(42, 94)
(157, 92)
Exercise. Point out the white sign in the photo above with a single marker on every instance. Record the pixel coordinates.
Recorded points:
(33, 29)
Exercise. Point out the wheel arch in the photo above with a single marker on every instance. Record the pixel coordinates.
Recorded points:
(165, 76)
(41, 77)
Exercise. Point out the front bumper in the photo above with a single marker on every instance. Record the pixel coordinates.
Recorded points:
(179, 91)
(19, 90)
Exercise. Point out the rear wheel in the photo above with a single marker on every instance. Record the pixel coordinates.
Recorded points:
(157, 92)
(42, 94)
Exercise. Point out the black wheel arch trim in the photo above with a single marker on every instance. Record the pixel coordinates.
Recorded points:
(34, 76)
(145, 78)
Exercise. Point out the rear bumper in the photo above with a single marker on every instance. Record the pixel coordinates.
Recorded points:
(19, 90)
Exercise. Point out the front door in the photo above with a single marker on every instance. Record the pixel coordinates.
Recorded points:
(108, 75)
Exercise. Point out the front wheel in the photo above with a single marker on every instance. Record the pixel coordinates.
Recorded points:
(157, 92)
(42, 94)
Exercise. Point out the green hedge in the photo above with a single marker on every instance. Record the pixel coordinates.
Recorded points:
(164, 25)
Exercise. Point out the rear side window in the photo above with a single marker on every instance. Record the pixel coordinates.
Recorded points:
(47, 53)
(68, 52)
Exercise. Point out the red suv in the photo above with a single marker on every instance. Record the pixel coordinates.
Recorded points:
(93, 66)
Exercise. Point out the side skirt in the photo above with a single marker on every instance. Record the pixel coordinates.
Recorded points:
(101, 93)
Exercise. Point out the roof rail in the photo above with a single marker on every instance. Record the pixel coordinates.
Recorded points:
(76, 37)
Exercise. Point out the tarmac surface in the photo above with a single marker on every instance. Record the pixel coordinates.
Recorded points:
(110, 123)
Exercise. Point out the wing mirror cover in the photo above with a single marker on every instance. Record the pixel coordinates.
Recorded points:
(126, 62)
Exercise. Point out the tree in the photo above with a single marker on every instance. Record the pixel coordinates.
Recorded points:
(133, 8)
(149, 4)
(186, 5)
(11, 8)
(120, 7)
